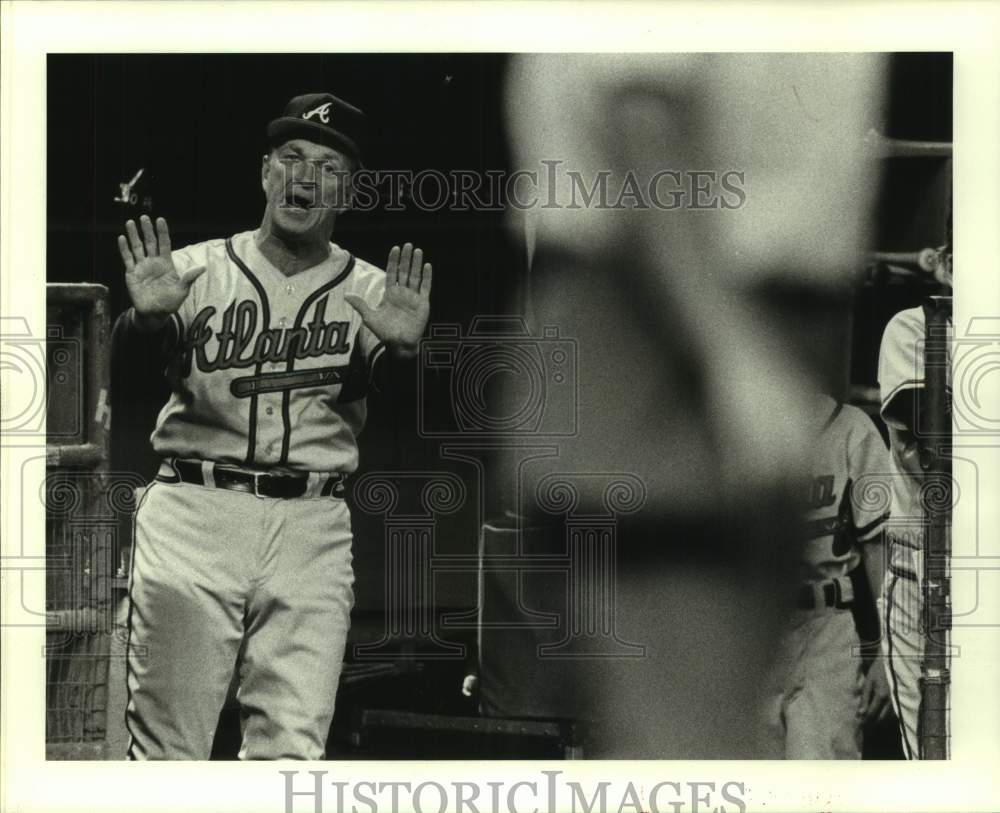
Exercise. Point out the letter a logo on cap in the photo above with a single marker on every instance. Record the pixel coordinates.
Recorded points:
(323, 111)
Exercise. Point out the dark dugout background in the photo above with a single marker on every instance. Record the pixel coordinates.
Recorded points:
(196, 124)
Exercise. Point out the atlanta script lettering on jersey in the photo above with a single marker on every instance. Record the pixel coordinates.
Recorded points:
(821, 492)
(241, 329)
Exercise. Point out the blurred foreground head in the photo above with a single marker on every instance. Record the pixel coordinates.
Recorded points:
(707, 292)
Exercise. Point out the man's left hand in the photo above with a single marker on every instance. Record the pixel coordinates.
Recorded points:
(875, 693)
(401, 316)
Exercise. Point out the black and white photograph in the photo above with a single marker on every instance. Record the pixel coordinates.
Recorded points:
(501, 407)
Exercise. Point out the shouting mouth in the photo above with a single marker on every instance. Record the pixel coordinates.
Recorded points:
(298, 202)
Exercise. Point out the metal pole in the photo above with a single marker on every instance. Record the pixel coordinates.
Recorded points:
(936, 584)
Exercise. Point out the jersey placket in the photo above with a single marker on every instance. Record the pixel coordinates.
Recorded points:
(285, 299)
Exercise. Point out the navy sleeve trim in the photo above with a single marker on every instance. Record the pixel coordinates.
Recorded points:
(837, 409)
(868, 530)
(377, 353)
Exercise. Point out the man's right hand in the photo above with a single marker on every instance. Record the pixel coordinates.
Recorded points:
(156, 288)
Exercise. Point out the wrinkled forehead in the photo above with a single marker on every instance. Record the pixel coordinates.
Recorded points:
(311, 151)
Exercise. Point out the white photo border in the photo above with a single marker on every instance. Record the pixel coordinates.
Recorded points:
(32, 30)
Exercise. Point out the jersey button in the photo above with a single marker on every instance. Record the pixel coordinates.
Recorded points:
(282, 321)
(270, 410)
(289, 289)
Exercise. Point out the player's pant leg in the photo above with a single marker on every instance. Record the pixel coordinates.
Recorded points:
(297, 623)
(783, 683)
(824, 715)
(901, 651)
(185, 620)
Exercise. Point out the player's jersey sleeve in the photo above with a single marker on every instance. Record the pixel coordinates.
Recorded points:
(155, 346)
(901, 360)
(868, 466)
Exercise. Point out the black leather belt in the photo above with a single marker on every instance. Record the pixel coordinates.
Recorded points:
(828, 595)
(282, 486)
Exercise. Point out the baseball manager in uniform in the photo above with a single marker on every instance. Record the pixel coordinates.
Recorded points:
(242, 554)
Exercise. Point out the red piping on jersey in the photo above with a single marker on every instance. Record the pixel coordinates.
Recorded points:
(266, 311)
(286, 420)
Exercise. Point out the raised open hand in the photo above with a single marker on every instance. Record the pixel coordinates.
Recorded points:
(401, 316)
(155, 286)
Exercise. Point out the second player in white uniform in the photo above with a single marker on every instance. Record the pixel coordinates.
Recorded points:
(242, 554)
(901, 382)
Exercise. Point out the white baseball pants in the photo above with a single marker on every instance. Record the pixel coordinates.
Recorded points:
(813, 707)
(902, 640)
(223, 580)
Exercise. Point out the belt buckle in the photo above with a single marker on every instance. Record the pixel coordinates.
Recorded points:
(334, 486)
(256, 484)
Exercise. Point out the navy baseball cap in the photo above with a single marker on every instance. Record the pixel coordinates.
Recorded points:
(322, 118)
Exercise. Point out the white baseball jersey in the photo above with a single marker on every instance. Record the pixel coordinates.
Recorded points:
(849, 451)
(268, 371)
(901, 368)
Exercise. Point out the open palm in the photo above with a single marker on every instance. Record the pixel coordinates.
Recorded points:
(153, 282)
(401, 316)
